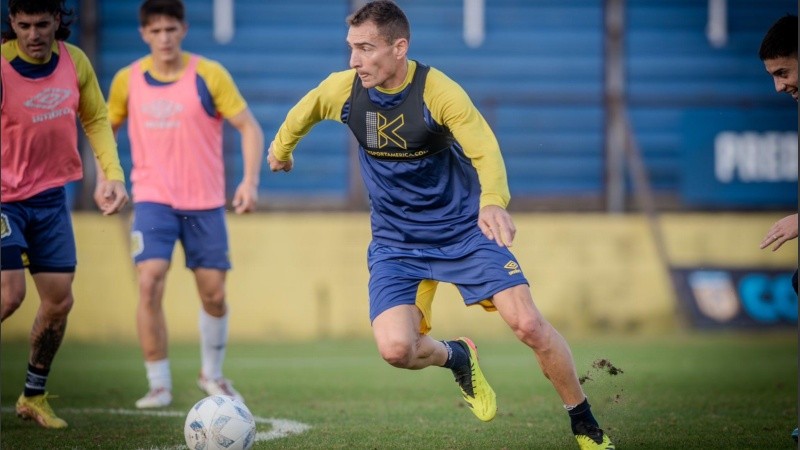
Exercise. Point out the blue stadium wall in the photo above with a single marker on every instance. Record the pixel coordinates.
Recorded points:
(537, 77)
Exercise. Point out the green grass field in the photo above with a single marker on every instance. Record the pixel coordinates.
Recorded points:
(687, 391)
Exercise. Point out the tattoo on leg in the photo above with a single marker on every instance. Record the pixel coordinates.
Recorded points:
(46, 343)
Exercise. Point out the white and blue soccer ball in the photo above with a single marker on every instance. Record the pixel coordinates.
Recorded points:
(219, 422)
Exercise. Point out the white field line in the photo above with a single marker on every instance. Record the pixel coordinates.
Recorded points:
(280, 427)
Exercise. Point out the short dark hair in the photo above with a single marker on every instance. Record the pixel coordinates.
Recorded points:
(781, 39)
(169, 8)
(387, 16)
(54, 7)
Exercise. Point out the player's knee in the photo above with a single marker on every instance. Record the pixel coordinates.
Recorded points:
(10, 303)
(150, 288)
(398, 354)
(533, 331)
(58, 307)
(214, 302)
(12, 299)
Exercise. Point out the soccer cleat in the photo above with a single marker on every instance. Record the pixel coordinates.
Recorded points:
(591, 437)
(220, 386)
(476, 390)
(37, 408)
(155, 398)
(794, 434)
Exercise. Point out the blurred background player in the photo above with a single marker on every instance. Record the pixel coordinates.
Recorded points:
(175, 103)
(45, 84)
(438, 191)
(779, 53)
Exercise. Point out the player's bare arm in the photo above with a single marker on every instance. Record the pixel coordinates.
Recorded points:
(780, 232)
(246, 196)
(496, 224)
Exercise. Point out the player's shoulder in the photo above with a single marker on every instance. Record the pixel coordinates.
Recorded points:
(436, 76)
(77, 54)
(343, 78)
(75, 51)
(347, 74)
(209, 67)
(9, 49)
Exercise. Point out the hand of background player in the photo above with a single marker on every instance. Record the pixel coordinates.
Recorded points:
(110, 196)
(496, 224)
(781, 231)
(276, 165)
(245, 198)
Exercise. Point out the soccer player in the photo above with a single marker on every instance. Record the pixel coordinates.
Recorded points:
(45, 84)
(778, 52)
(175, 103)
(438, 191)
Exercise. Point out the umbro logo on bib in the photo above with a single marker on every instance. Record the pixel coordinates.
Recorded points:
(49, 99)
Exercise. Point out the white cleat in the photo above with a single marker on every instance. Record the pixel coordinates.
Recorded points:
(156, 398)
(220, 386)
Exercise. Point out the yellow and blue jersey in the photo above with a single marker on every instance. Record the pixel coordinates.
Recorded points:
(424, 199)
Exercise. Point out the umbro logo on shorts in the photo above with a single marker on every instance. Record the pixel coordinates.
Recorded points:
(512, 267)
(5, 229)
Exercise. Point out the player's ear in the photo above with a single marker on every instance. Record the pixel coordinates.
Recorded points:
(400, 48)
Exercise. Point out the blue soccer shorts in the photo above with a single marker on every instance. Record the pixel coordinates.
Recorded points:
(477, 266)
(37, 233)
(202, 233)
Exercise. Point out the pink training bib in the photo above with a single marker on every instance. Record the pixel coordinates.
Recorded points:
(39, 147)
(176, 146)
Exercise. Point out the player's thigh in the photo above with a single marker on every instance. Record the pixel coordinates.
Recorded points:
(478, 267)
(397, 328)
(154, 231)
(204, 236)
(51, 241)
(12, 237)
(517, 308)
(395, 278)
(55, 290)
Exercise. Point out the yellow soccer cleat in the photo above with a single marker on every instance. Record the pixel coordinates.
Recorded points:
(36, 408)
(476, 390)
(591, 437)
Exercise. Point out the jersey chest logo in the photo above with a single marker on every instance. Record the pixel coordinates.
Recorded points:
(162, 113)
(381, 131)
(49, 99)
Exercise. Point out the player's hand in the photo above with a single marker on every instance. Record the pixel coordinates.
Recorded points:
(110, 196)
(781, 231)
(276, 165)
(245, 198)
(496, 224)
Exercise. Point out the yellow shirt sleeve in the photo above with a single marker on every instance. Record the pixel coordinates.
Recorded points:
(228, 101)
(118, 97)
(94, 116)
(451, 107)
(324, 102)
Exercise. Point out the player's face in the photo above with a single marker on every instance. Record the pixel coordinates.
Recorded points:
(35, 33)
(784, 74)
(164, 35)
(377, 62)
